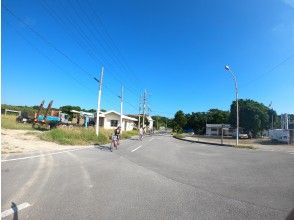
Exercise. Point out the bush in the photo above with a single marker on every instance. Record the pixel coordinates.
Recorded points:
(76, 136)
(81, 136)
(129, 134)
(9, 122)
(178, 136)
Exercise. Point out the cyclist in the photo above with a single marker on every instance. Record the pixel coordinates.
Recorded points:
(114, 141)
(117, 132)
(141, 133)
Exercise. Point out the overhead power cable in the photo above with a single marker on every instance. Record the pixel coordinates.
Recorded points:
(46, 41)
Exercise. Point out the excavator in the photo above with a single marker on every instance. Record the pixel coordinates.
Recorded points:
(49, 121)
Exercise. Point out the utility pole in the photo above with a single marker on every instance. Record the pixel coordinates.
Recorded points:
(139, 124)
(144, 107)
(121, 105)
(99, 99)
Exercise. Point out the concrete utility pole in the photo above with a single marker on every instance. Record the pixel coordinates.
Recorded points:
(99, 99)
(144, 107)
(139, 124)
(121, 105)
(237, 106)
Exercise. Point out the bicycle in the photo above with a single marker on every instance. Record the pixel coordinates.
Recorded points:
(114, 142)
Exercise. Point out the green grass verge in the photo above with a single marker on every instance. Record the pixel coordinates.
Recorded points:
(81, 136)
(244, 146)
(179, 135)
(9, 122)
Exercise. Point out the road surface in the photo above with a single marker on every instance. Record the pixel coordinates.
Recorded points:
(158, 178)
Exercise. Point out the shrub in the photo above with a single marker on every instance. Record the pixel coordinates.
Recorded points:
(9, 122)
(81, 136)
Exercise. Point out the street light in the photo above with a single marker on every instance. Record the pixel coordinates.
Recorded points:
(227, 68)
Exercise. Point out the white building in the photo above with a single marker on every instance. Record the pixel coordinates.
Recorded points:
(150, 120)
(111, 119)
(216, 129)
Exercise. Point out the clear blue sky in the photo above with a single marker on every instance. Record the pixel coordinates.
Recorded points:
(175, 49)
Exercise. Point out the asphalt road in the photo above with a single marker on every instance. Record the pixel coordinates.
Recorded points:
(158, 178)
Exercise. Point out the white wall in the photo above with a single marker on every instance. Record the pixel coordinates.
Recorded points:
(112, 116)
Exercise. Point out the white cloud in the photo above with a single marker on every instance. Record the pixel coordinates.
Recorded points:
(289, 2)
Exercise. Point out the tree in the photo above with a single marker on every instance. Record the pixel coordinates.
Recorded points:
(161, 120)
(216, 116)
(253, 116)
(179, 121)
(197, 121)
(67, 108)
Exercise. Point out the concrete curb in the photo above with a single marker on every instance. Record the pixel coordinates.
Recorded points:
(203, 142)
(217, 144)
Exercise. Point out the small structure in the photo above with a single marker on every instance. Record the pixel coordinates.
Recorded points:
(111, 119)
(13, 111)
(216, 129)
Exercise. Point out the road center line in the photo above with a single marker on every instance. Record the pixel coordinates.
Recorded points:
(136, 148)
(40, 155)
(14, 209)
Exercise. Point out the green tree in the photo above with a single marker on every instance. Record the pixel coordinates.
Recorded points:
(197, 121)
(67, 108)
(160, 121)
(216, 116)
(179, 121)
(253, 116)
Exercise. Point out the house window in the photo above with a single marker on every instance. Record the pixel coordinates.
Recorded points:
(214, 129)
(113, 123)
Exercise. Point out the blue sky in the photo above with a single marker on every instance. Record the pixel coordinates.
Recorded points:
(176, 50)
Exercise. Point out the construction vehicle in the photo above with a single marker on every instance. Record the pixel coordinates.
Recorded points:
(49, 121)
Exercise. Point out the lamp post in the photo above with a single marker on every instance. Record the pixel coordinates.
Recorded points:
(227, 68)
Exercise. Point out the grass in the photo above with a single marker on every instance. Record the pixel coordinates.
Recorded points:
(178, 135)
(243, 146)
(9, 122)
(81, 136)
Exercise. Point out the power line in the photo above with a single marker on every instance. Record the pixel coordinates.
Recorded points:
(111, 44)
(45, 40)
(270, 70)
(51, 61)
(56, 49)
(87, 39)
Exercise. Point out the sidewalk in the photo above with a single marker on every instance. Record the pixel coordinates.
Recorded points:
(259, 144)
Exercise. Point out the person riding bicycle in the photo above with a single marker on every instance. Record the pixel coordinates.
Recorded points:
(117, 132)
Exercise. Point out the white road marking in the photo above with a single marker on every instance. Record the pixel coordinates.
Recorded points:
(12, 210)
(137, 148)
(41, 155)
(131, 147)
(151, 139)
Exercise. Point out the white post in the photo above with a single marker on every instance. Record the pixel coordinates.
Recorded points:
(121, 106)
(99, 99)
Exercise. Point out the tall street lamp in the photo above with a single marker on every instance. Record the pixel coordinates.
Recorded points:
(227, 68)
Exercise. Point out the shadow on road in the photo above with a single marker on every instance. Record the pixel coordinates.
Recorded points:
(291, 215)
(102, 147)
(15, 213)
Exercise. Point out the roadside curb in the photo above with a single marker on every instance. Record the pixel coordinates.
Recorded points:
(217, 144)
(203, 142)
